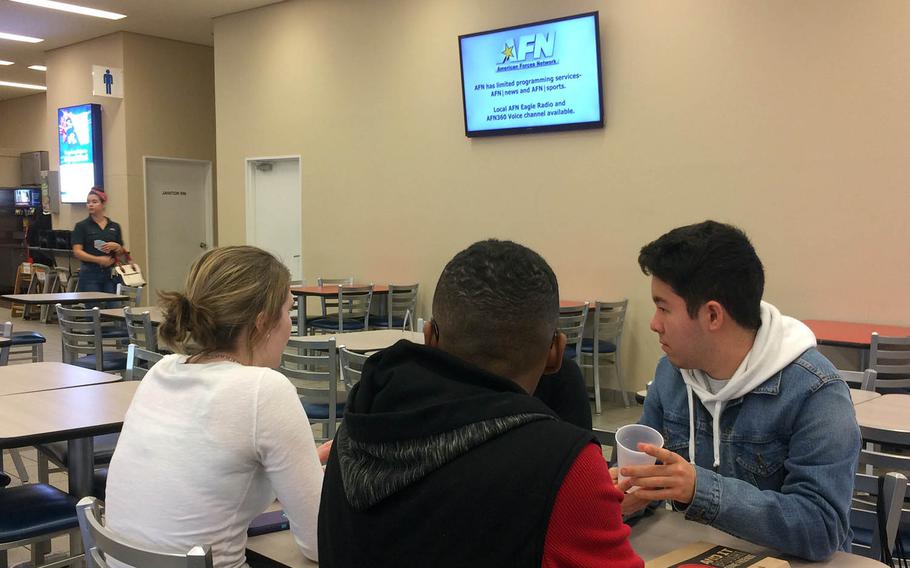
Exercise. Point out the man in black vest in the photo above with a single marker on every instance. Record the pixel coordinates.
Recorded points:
(444, 459)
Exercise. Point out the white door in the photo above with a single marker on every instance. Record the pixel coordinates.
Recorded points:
(273, 209)
(178, 210)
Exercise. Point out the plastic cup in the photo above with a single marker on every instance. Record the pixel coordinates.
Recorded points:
(627, 439)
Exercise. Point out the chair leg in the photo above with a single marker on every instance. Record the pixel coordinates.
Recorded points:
(21, 472)
(44, 475)
(38, 353)
(4, 559)
(596, 385)
(622, 389)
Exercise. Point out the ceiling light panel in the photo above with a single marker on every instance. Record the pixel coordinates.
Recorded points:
(73, 8)
(37, 67)
(2, 62)
(22, 86)
(17, 37)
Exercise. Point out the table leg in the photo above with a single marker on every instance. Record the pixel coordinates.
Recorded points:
(81, 472)
(301, 315)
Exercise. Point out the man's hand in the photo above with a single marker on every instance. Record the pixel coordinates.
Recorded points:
(323, 452)
(673, 479)
(110, 247)
(631, 503)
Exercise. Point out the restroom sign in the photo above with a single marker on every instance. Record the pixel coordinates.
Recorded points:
(107, 81)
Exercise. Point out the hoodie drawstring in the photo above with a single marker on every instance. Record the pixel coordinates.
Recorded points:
(691, 425)
(718, 408)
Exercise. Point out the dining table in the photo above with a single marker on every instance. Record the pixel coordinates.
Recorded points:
(853, 335)
(363, 341)
(65, 298)
(155, 313)
(885, 419)
(323, 292)
(653, 536)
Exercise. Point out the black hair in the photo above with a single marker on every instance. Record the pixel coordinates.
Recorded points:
(709, 261)
(497, 301)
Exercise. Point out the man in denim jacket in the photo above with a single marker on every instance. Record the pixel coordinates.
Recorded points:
(760, 433)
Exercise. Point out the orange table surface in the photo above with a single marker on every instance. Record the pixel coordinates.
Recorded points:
(850, 334)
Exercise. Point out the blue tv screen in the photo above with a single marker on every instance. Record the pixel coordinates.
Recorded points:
(81, 156)
(533, 77)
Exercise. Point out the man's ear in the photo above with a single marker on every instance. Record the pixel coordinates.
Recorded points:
(554, 355)
(715, 315)
(430, 337)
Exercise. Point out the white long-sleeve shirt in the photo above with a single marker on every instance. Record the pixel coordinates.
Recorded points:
(204, 449)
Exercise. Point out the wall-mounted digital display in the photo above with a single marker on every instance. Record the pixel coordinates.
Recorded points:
(23, 197)
(81, 156)
(533, 77)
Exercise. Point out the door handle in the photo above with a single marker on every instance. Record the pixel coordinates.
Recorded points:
(203, 245)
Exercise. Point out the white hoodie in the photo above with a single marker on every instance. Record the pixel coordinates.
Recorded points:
(779, 341)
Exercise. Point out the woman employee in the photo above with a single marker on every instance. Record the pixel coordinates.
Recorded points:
(96, 239)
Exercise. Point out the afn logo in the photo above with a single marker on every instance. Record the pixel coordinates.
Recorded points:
(538, 45)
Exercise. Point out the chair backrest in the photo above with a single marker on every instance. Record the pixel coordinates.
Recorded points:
(572, 323)
(6, 331)
(609, 318)
(134, 293)
(869, 501)
(312, 367)
(140, 329)
(101, 544)
(65, 280)
(890, 358)
(80, 333)
(351, 366)
(864, 380)
(139, 361)
(42, 279)
(331, 303)
(354, 304)
(400, 302)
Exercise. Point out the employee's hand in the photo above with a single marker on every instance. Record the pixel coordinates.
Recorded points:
(631, 503)
(323, 452)
(110, 247)
(673, 479)
(107, 260)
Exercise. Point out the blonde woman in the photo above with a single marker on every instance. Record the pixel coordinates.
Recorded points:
(212, 437)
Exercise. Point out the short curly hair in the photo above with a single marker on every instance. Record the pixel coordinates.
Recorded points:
(497, 301)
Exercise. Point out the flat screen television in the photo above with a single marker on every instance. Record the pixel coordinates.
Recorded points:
(533, 77)
(81, 155)
(23, 197)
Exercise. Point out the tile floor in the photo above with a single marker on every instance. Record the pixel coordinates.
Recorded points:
(613, 416)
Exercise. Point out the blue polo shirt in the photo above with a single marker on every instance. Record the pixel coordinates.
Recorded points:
(87, 231)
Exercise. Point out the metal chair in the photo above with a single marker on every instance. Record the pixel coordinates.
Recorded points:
(29, 343)
(572, 324)
(874, 497)
(890, 358)
(401, 305)
(66, 281)
(609, 318)
(102, 544)
(139, 361)
(42, 282)
(351, 366)
(863, 380)
(140, 329)
(312, 367)
(328, 303)
(353, 311)
(31, 515)
(83, 340)
(134, 293)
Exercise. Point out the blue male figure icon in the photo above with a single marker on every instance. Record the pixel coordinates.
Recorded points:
(108, 81)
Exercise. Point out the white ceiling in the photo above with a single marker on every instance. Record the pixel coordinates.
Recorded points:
(184, 20)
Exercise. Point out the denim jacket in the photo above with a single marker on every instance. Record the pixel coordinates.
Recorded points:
(788, 454)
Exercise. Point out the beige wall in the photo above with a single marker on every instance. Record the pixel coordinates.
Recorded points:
(171, 113)
(168, 110)
(786, 118)
(69, 82)
(21, 130)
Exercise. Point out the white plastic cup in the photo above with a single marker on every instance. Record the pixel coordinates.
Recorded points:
(627, 439)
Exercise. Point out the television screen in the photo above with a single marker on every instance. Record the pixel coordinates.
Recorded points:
(81, 162)
(23, 197)
(534, 77)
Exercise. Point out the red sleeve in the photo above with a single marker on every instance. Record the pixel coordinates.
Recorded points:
(586, 527)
